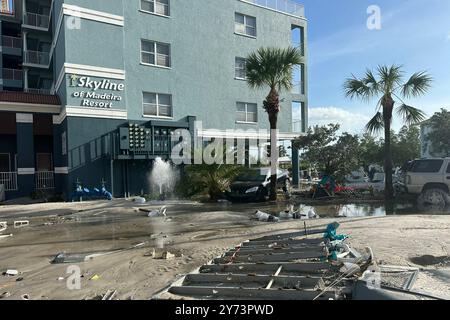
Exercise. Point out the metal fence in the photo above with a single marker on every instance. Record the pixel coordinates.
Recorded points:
(45, 180)
(36, 20)
(11, 42)
(12, 74)
(38, 91)
(37, 57)
(285, 6)
(9, 180)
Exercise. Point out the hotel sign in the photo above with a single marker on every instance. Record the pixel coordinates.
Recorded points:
(96, 93)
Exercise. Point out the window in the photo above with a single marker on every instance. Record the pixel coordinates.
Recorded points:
(5, 164)
(245, 25)
(427, 166)
(155, 53)
(161, 7)
(157, 105)
(298, 37)
(240, 68)
(44, 162)
(298, 116)
(298, 79)
(247, 112)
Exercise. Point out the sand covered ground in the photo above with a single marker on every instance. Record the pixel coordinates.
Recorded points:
(195, 233)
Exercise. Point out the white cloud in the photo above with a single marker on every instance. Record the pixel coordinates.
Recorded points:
(352, 122)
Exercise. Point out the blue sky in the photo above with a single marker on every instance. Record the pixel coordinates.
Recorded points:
(414, 33)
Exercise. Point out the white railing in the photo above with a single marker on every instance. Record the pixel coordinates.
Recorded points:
(11, 42)
(37, 91)
(37, 57)
(12, 74)
(36, 20)
(45, 180)
(286, 6)
(9, 180)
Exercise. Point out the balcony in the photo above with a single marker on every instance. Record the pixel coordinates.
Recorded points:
(11, 42)
(38, 59)
(284, 6)
(38, 91)
(12, 74)
(36, 21)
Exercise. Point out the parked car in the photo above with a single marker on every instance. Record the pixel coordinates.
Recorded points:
(430, 180)
(254, 185)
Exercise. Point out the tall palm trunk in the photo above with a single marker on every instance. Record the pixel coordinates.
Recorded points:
(388, 107)
(272, 105)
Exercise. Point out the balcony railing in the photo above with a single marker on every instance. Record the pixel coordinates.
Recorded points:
(9, 180)
(11, 42)
(37, 57)
(285, 6)
(12, 74)
(38, 91)
(36, 20)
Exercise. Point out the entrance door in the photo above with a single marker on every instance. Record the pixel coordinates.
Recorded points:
(44, 162)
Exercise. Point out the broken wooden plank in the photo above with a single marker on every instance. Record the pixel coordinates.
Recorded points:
(223, 293)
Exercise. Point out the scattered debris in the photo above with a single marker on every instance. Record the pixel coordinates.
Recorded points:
(21, 224)
(161, 212)
(3, 226)
(60, 278)
(140, 200)
(5, 294)
(109, 295)
(5, 236)
(11, 272)
(151, 253)
(167, 255)
(65, 258)
(265, 217)
(19, 279)
(25, 297)
(95, 277)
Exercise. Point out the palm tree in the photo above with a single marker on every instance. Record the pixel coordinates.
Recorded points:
(272, 68)
(388, 87)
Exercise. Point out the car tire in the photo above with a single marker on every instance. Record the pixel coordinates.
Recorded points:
(435, 197)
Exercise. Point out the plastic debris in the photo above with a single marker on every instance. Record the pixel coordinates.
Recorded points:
(25, 297)
(265, 217)
(140, 200)
(5, 294)
(60, 278)
(3, 226)
(95, 277)
(161, 212)
(331, 232)
(5, 236)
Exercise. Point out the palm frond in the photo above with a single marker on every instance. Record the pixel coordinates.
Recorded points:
(417, 85)
(358, 88)
(376, 124)
(272, 67)
(390, 77)
(410, 114)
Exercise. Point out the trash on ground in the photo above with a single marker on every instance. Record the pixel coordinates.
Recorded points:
(161, 212)
(21, 224)
(5, 236)
(5, 294)
(25, 297)
(3, 226)
(109, 295)
(60, 278)
(140, 200)
(265, 217)
(95, 277)
(11, 272)
(19, 279)
(167, 255)
(66, 258)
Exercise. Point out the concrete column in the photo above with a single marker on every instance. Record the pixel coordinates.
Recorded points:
(25, 154)
(25, 78)
(295, 167)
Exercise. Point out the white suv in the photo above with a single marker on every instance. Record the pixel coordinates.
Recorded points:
(430, 179)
